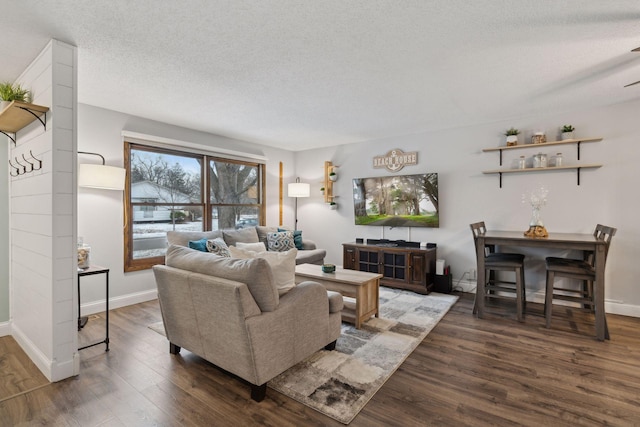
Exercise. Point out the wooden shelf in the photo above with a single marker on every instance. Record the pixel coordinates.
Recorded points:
(551, 168)
(17, 115)
(544, 144)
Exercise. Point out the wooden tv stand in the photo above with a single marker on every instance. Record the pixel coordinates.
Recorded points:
(405, 267)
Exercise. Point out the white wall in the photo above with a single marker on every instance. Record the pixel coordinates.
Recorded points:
(100, 212)
(43, 267)
(607, 195)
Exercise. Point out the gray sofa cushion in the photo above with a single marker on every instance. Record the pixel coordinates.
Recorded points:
(181, 238)
(255, 273)
(245, 235)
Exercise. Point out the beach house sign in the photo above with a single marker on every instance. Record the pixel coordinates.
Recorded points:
(395, 160)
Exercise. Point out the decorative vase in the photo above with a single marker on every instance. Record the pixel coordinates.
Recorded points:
(512, 140)
(333, 206)
(333, 177)
(567, 135)
(536, 227)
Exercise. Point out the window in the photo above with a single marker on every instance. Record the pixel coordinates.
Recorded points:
(182, 191)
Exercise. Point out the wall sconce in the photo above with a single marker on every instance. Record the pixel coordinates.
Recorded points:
(100, 176)
(298, 189)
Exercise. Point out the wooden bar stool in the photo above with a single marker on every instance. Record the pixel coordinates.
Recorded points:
(583, 270)
(501, 261)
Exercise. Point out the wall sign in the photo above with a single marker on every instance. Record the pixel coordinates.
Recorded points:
(395, 160)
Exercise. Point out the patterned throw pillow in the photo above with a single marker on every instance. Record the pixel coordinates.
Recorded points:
(297, 238)
(218, 246)
(280, 241)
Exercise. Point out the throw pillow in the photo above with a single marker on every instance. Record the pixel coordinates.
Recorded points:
(283, 265)
(218, 246)
(297, 238)
(257, 247)
(199, 245)
(246, 235)
(280, 241)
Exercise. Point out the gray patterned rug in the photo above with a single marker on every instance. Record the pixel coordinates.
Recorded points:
(339, 383)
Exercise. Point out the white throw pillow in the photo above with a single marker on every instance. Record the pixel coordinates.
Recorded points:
(256, 247)
(283, 265)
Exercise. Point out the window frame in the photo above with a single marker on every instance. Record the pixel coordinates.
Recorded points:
(132, 264)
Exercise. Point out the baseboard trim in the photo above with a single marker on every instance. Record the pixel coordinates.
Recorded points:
(5, 329)
(117, 302)
(37, 357)
(610, 306)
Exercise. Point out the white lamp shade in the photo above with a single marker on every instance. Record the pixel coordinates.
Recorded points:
(299, 189)
(101, 176)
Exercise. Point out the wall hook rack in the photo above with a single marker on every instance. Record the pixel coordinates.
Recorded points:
(28, 168)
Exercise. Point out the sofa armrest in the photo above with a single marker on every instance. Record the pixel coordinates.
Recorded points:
(336, 302)
(308, 244)
(296, 329)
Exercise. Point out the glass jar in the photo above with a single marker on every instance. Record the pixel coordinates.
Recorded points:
(84, 255)
(522, 163)
(558, 159)
(540, 160)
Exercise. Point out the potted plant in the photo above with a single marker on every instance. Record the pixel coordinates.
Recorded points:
(333, 176)
(322, 190)
(333, 206)
(12, 92)
(512, 136)
(567, 132)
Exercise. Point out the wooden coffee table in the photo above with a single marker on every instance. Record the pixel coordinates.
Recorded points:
(364, 287)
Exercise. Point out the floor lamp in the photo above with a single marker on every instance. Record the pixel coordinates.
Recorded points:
(298, 189)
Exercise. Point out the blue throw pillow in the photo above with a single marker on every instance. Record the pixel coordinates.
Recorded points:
(297, 237)
(199, 245)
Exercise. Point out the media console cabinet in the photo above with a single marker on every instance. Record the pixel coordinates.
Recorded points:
(403, 265)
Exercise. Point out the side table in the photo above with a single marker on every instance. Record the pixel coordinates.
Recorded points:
(95, 269)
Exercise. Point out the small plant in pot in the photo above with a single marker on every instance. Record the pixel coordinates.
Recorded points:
(567, 132)
(333, 176)
(333, 206)
(12, 92)
(512, 136)
(322, 190)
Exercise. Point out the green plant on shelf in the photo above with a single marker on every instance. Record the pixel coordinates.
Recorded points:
(14, 92)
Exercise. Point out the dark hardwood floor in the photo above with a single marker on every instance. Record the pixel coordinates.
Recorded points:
(493, 371)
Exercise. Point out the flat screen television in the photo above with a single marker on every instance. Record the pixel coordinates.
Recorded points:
(397, 201)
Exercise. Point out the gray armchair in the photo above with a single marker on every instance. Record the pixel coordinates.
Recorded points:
(228, 312)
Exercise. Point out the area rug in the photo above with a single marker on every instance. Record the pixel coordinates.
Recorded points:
(339, 383)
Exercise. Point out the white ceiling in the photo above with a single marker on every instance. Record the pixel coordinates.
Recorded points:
(305, 74)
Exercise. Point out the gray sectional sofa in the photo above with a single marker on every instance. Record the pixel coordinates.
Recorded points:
(309, 254)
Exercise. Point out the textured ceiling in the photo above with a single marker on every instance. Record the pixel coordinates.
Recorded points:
(304, 74)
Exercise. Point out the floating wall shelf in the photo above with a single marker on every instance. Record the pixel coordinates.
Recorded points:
(17, 115)
(542, 146)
